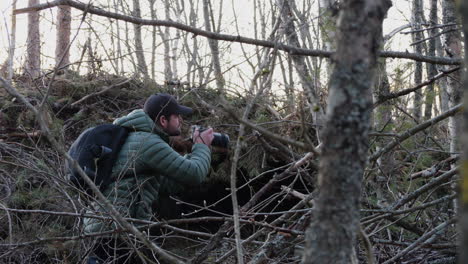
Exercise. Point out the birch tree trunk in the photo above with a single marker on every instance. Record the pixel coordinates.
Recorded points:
(417, 18)
(431, 68)
(327, 25)
(331, 235)
(12, 44)
(139, 52)
(443, 88)
(33, 59)
(453, 48)
(62, 52)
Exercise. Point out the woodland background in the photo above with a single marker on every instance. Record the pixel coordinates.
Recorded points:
(345, 141)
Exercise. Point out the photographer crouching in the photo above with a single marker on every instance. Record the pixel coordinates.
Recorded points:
(148, 168)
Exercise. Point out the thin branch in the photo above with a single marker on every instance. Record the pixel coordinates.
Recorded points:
(404, 136)
(383, 98)
(387, 213)
(429, 28)
(421, 241)
(433, 183)
(395, 31)
(212, 35)
(436, 35)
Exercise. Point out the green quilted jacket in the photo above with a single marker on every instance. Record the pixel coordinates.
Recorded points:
(148, 167)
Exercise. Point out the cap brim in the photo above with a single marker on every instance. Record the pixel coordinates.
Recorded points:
(184, 110)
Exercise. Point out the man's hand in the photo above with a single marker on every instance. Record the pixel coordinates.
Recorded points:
(205, 137)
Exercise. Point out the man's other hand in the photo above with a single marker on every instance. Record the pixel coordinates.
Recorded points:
(205, 137)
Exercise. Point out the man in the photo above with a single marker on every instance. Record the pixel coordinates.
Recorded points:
(147, 167)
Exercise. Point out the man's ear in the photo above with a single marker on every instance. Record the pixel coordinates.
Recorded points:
(163, 121)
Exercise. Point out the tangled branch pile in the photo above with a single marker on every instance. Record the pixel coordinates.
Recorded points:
(408, 203)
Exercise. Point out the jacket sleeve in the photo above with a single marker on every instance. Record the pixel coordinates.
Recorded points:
(189, 170)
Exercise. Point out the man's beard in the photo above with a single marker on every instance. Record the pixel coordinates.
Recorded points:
(173, 132)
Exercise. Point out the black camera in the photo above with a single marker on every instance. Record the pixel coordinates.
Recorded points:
(220, 140)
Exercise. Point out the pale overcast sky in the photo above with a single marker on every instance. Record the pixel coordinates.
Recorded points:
(398, 15)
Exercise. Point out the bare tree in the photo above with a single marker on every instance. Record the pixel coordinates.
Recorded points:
(62, 49)
(417, 19)
(331, 235)
(327, 23)
(383, 122)
(33, 59)
(166, 38)
(213, 47)
(139, 51)
(452, 46)
(12, 44)
(431, 68)
(305, 75)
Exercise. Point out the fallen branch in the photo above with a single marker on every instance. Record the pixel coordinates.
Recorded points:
(296, 194)
(406, 244)
(22, 135)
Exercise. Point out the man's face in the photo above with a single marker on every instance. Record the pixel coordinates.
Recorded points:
(173, 125)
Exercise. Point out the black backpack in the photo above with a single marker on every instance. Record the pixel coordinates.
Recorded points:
(96, 151)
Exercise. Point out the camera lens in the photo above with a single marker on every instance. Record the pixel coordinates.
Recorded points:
(220, 140)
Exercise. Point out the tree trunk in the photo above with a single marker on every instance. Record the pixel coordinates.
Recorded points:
(90, 55)
(33, 59)
(175, 46)
(139, 51)
(153, 40)
(62, 49)
(417, 18)
(300, 65)
(431, 68)
(214, 49)
(463, 208)
(12, 44)
(443, 88)
(383, 122)
(166, 38)
(327, 26)
(453, 48)
(331, 235)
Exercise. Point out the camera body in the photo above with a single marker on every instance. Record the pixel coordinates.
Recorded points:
(220, 140)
